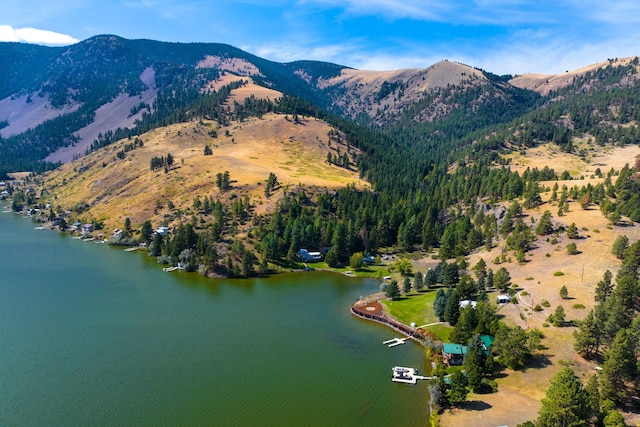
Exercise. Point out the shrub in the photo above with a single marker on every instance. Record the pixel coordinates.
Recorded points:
(572, 249)
(578, 306)
(545, 325)
(548, 255)
(524, 293)
(490, 384)
(558, 273)
(545, 303)
(537, 308)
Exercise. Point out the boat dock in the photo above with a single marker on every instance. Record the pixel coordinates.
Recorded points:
(405, 375)
(168, 269)
(395, 341)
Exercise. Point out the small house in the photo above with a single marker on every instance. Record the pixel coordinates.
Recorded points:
(162, 231)
(453, 354)
(86, 228)
(306, 256)
(503, 299)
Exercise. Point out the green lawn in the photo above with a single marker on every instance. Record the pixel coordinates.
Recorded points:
(417, 308)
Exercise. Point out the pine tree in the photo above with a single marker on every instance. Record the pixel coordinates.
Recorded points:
(406, 285)
(566, 402)
(564, 293)
(572, 231)
(418, 281)
(458, 392)
(393, 290)
(588, 336)
(559, 316)
(502, 280)
(545, 226)
(604, 288)
(620, 246)
(474, 362)
(452, 310)
(620, 364)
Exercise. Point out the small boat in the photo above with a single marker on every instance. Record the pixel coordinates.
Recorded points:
(404, 375)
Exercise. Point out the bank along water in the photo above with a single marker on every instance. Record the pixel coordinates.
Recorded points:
(93, 335)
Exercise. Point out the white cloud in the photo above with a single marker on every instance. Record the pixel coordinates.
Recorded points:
(35, 36)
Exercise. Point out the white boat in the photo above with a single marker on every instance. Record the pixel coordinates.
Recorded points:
(405, 375)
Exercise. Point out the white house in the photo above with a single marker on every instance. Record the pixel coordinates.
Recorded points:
(503, 299)
(306, 256)
(162, 231)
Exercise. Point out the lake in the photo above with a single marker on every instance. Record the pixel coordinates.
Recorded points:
(94, 335)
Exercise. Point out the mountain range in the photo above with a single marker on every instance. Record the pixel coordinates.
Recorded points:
(55, 102)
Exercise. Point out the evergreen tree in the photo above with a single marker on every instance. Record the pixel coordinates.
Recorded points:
(474, 362)
(559, 316)
(545, 226)
(564, 293)
(588, 336)
(465, 327)
(572, 231)
(458, 392)
(480, 269)
(406, 285)
(452, 309)
(502, 280)
(431, 278)
(440, 304)
(146, 232)
(566, 402)
(620, 246)
(604, 288)
(620, 364)
(490, 279)
(418, 281)
(511, 345)
(393, 290)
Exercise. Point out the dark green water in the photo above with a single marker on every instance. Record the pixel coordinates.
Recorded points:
(92, 335)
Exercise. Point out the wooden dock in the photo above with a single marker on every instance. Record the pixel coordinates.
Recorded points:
(395, 341)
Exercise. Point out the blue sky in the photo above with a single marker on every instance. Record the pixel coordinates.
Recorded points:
(501, 36)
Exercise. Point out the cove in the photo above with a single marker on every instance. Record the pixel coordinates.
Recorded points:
(93, 335)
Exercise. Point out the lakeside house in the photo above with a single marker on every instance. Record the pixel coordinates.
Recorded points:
(86, 229)
(453, 354)
(306, 256)
(162, 231)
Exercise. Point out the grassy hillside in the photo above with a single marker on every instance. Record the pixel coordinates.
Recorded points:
(115, 189)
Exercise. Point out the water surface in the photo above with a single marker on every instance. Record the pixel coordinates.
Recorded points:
(93, 335)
